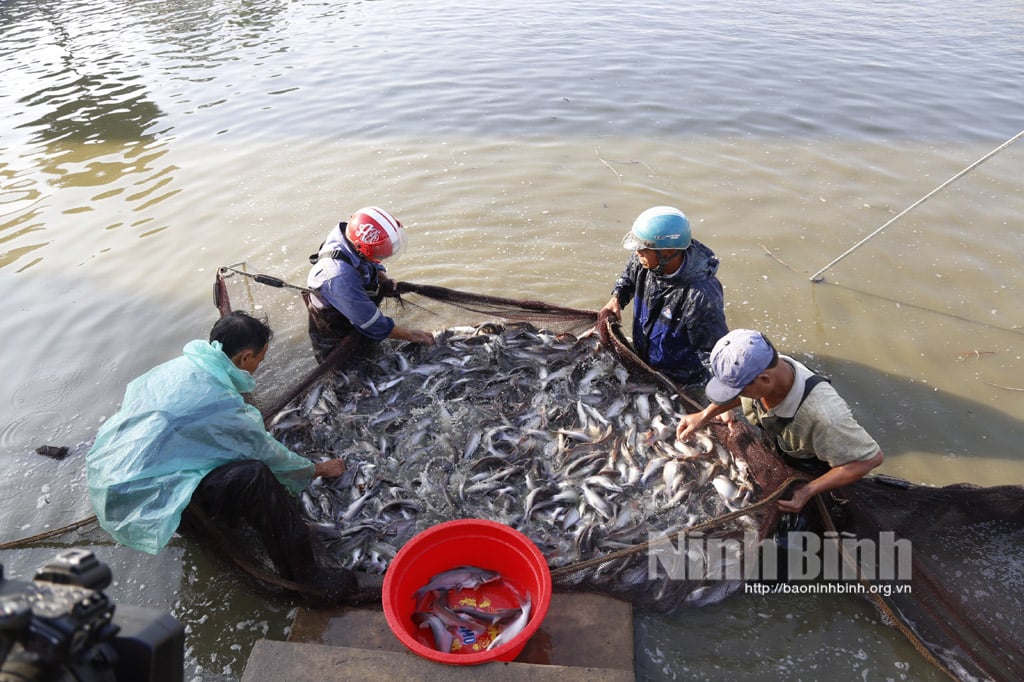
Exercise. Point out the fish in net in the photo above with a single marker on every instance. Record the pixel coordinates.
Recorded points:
(963, 609)
(545, 432)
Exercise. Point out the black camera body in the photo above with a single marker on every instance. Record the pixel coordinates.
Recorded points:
(61, 627)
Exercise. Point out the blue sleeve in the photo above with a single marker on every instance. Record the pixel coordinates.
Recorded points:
(346, 294)
(625, 285)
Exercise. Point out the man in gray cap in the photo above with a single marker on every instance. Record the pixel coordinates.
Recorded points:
(808, 421)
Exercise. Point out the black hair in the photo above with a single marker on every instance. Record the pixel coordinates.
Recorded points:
(238, 331)
(775, 353)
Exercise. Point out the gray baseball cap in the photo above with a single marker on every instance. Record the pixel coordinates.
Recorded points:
(736, 360)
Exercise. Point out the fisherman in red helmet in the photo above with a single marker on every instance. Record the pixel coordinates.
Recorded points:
(349, 281)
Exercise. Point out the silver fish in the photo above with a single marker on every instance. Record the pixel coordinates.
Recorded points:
(488, 617)
(545, 433)
(513, 629)
(453, 619)
(458, 579)
(443, 639)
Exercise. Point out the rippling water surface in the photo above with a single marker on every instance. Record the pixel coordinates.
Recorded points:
(144, 144)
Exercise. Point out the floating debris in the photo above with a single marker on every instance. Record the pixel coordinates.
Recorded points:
(53, 451)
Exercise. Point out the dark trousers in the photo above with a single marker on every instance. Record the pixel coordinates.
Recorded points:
(327, 328)
(247, 493)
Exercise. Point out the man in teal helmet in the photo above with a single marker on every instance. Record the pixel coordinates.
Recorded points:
(679, 306)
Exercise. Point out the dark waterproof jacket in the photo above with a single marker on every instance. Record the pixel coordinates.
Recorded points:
(346, 292)
(676, 319)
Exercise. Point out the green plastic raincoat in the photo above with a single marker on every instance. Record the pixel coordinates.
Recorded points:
(178, 422)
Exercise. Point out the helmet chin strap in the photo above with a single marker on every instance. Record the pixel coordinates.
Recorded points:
(659, 269)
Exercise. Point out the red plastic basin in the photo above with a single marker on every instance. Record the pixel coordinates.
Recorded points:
(473, 542)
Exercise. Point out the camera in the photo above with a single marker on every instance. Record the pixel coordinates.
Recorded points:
(61, 627)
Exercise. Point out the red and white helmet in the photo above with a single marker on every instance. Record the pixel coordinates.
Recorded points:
(375, 233)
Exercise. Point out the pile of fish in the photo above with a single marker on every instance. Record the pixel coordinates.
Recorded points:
(473, 624)
(543, 432)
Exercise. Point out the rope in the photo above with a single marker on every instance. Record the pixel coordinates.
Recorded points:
(1001, 649)
(338, 354)
(710, 524)
(269, 280)
(25, 542)
(496, 305)
(817, 277)
(613, 331)
(894, 619)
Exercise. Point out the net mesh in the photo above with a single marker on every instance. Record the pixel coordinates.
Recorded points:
(964, 609)
(967, 598)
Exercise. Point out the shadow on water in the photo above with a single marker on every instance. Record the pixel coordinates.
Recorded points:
(908, 416)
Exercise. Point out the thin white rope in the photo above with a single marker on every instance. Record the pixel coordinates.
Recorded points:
(817, 277)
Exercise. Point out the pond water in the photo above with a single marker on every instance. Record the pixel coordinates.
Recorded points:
(145, 144)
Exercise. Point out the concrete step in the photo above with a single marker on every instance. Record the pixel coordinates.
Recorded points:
(583, 637)
(272, 661)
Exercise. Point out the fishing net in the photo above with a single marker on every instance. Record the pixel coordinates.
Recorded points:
(966, 598)
(551, 453)
(544, 432)
(568, 439)
(535, 312)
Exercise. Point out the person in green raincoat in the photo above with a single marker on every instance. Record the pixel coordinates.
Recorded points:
(185, 447)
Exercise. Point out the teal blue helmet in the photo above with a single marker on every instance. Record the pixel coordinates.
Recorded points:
(661, 227)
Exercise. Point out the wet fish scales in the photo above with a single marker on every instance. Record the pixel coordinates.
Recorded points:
(508, 397)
